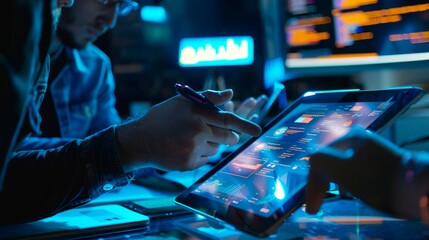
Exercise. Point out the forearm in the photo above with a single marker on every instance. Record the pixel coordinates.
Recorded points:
(128, 148)
(42, 183)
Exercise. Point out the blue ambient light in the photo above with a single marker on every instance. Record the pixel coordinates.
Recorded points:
(156, 14)
(216, 51)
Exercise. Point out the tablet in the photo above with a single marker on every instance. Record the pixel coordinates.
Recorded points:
(260, 184)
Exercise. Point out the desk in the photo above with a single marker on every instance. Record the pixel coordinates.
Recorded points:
(339, 219)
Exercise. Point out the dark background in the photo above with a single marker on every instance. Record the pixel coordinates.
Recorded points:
(145, 54)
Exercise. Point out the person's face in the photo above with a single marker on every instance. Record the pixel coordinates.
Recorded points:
(85, 22)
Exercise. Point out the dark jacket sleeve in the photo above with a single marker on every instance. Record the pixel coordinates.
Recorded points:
(21, 23)
(41, 183)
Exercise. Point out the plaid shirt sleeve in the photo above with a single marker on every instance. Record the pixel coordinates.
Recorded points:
(41, 183)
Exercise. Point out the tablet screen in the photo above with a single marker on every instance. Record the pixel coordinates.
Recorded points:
(274, 167)
(263, 181)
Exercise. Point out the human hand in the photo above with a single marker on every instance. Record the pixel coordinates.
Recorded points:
(249, 108)
(362, 163)
(178, 134)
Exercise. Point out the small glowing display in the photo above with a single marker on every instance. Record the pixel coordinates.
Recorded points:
(216, 51)
(156, 14)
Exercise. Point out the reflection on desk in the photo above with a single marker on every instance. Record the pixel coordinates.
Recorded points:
(78, 223)
(339, 219)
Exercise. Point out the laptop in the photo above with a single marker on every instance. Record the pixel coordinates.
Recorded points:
(261, 183)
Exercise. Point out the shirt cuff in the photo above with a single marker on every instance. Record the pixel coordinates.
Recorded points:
(103, 164)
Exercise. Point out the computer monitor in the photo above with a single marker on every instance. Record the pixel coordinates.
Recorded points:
(327, 37)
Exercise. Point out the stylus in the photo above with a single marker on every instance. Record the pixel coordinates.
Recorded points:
(195, 97)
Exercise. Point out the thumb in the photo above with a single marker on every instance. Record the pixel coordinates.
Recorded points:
(219, 97)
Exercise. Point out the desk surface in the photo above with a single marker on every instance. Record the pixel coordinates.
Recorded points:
(339, 219)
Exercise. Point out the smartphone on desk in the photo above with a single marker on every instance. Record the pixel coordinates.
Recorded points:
(157, 207)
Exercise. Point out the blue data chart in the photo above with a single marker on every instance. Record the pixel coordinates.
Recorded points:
(216, 51)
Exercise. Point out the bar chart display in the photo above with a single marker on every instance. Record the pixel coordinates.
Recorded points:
(216, 51)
